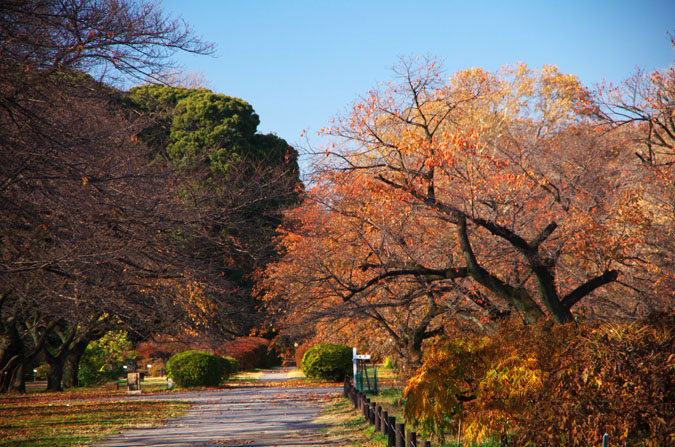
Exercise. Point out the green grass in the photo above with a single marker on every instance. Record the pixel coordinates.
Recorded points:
(74, 418)
(346, 426)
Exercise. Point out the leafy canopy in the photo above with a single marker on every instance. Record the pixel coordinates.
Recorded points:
(201, 129)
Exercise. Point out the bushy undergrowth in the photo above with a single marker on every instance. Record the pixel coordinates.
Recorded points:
(327, 361)
(104, 359)
(197, 368)
(563, 385)
(250, 352)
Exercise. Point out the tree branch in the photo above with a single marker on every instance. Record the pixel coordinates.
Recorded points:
(580, 292)
(450, 273)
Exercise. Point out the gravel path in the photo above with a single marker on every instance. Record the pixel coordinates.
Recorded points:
(254, 416)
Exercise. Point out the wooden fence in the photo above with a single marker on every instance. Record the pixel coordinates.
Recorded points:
(385, 424)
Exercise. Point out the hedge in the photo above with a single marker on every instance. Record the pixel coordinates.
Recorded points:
(197, 368)
(328, 361)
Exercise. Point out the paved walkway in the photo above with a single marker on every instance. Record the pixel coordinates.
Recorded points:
(255, 416)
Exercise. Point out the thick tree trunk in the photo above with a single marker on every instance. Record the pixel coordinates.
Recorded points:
(412, 351)
(518, 297)
(69, 353)
(71, 364)
(55, 375)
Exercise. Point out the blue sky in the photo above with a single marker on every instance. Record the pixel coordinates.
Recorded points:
(301, 62)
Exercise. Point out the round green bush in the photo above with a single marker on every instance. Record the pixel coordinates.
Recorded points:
(196, 368)
(328, 361)
(230, 366)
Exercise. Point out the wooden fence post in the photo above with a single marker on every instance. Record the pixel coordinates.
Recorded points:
(400, 435)
(411, 439)
(391, 431)
(378, 416)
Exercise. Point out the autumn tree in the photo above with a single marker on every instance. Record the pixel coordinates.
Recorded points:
(484, 194)
(644, 108)
(646, 100)
(327, 244)
(79, 243)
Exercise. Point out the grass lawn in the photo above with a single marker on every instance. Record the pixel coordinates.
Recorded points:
(75, 418)
(345, 426)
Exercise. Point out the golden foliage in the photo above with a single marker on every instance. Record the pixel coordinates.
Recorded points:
(553, 385)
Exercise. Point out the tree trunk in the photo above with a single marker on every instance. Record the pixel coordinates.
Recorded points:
(410, 352)
(71, 364)
(518, 297)
(7, 373)
(55, 375)
(414, 355)
(18, 380)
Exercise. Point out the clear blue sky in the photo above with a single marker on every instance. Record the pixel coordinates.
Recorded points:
(301, 62)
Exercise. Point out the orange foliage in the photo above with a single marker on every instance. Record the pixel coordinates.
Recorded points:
(250, 352)
(464, 200)
(645, 103)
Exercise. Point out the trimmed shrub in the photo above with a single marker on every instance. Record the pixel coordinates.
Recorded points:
(197, 368)
(230, 366)
(328, 361)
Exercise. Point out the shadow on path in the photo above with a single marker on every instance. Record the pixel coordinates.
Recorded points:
(246, 416)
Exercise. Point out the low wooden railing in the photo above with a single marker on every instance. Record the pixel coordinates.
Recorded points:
(385, 424)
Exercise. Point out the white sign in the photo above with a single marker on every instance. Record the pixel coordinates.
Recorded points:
(362, 357)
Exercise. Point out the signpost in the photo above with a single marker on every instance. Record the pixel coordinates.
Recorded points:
(360, 364)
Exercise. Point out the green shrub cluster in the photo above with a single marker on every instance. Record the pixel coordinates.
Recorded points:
(328, 361)
(196, 368)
